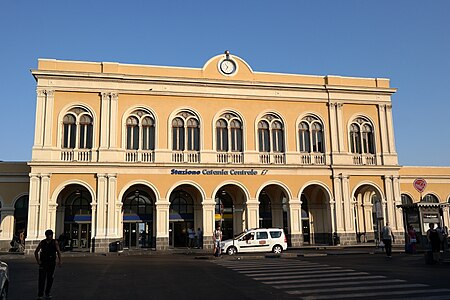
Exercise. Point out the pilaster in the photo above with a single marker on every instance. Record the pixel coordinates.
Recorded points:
(208, 207)
(390, 129)
(40, 113)
(104, 120)
(337, 190)
(252, 213)
(102, 200)
(349, 213)
(162, 227)
(114, 122)
(340, 131)
(295, 221)
(112, 226)
(48, 126)
(383, 130)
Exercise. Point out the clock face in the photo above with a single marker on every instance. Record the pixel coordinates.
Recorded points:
(228, 67)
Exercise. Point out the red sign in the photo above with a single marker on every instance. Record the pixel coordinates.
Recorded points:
(420, 184)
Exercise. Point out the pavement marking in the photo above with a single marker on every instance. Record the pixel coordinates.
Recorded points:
(425, 297)
(290, 270)
(357, 276)
(337, 274)
(329, 284)
(316, 271)
(374, 294)
(357, 288)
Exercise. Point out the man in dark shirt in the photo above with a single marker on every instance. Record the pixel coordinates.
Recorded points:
(45, 255)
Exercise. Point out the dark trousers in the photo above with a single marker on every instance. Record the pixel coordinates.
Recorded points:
(46, 271)
(388, 246)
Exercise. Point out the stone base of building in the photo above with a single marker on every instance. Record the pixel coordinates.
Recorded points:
(346, 239)
(31, 245)
(295, 240)
(162, 244)
(105, 245)
(5, 245)
(208, 243)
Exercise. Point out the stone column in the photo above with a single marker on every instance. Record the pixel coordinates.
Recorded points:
(104, 120)
(340, 131)
(162, 227)
(295, 223)
(44, 223)
(33, 213)
(349, 213)
(102, 200)
(252, 213)
(333, 128)
(390, 129)
(112, 226)
(337, 191)
(48, 126)
(40, 113)
(114, 122)
(383, 129)
(398, 201)
(208, 208)
(333, 216)
(389, 200)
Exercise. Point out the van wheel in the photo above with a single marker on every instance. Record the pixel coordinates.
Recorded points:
(231, 250)
(277, 249)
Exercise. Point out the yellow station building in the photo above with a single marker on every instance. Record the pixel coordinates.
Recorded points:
(139, 154)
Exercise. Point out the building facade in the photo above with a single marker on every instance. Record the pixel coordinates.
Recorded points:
(142, 153)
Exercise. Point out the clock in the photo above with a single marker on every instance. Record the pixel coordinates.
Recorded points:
(227, 66)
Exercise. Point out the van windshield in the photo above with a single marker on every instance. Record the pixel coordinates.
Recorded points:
(240, 235)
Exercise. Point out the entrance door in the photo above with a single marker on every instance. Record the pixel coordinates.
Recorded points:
(306, 231)
(137, 234)
(178, 234)
(78, 236)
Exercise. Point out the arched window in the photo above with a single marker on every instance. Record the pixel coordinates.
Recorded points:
(138, 203)
(271, 127)
(222, 135)
(229, 133)
(181, 204)
(20, 215)
(78, 203)
(140, 130)
(406, 199)
(77, 129)
(70, 131)
(362, 137)
(132, 133)
(310, 131)
(187, 125)
(430, 198)
(85, 132)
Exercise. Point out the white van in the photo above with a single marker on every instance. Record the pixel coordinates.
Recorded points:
(256, 240)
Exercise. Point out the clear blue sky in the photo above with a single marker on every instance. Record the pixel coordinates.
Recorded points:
(406, 41)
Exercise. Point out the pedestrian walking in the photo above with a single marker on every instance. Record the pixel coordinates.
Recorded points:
(191, 237)
(388, 239)
(434, 239)
(45, 255)
(199, 238)
(217, 237)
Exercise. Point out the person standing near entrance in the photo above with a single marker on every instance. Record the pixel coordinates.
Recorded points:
(388, 239)
(217, 237)
(45, 255)
(434, 240)
(199, 238)
(191, 237)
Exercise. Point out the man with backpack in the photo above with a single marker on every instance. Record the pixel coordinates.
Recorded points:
(45, 255)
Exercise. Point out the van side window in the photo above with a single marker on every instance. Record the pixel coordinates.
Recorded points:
(262, 235)
(275, 234)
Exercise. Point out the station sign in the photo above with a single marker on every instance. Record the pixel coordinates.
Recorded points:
(250, 172)
(420, 184)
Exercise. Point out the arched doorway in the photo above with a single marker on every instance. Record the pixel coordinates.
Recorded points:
(316, 215)
(74, 218)
(21, 215)
(230, 210)
(368, 212)
(273, 207)
(185, 212)
(138, 222)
